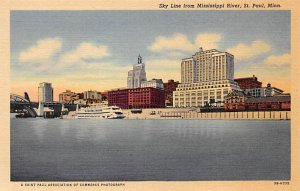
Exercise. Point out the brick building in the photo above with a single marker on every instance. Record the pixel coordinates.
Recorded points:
(146, 98)
(239, 101)
(169, 87)
(104, 95)
(137, 98)
(277, 102)
(118, 97)
(248, 83)
(235, 101)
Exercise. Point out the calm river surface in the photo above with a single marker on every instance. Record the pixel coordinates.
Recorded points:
(120, 150)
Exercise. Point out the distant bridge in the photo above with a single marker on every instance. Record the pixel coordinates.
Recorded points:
(18, 99)
(20, 104)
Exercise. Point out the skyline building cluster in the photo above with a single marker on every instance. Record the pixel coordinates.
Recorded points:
(86, 97)
(264, 99)
(252, 87)
(207, 78)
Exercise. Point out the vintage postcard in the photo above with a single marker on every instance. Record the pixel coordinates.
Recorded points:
(142, 95)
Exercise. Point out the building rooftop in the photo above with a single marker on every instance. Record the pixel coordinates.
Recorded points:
(187, 58)
(235, 93)
(278, 89)
(269, 99)
(246, 78)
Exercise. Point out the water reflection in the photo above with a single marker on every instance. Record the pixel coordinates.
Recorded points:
(149, 150)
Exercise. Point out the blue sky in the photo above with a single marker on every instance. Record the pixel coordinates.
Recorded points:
(81, 50)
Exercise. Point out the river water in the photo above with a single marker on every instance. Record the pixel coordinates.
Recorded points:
(121, 150)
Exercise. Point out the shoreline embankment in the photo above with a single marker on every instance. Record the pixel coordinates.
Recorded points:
(188, 113)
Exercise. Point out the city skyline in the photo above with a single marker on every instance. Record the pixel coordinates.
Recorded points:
(82, 50)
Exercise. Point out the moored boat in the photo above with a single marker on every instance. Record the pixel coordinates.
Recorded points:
(95, 112)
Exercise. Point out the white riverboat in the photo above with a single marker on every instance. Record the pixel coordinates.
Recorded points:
(96, 112)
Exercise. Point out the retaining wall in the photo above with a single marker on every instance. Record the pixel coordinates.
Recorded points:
(174, 113)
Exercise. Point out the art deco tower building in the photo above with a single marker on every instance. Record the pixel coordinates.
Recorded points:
(137, 75)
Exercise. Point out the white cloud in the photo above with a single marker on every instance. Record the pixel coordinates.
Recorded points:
(42, 51)
(84, 51)
(208, 40)
(46, 56)
(165, 69)
(249, 51)
(278, 59)
(176, 42)
(180, 42)
(176, 54)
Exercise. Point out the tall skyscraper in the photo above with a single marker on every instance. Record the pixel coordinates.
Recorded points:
(45, 92)
(207, 76)
(206, 66)
(137, 75)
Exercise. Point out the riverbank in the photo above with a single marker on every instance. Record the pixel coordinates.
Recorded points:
(188, 113)
(175, 113)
